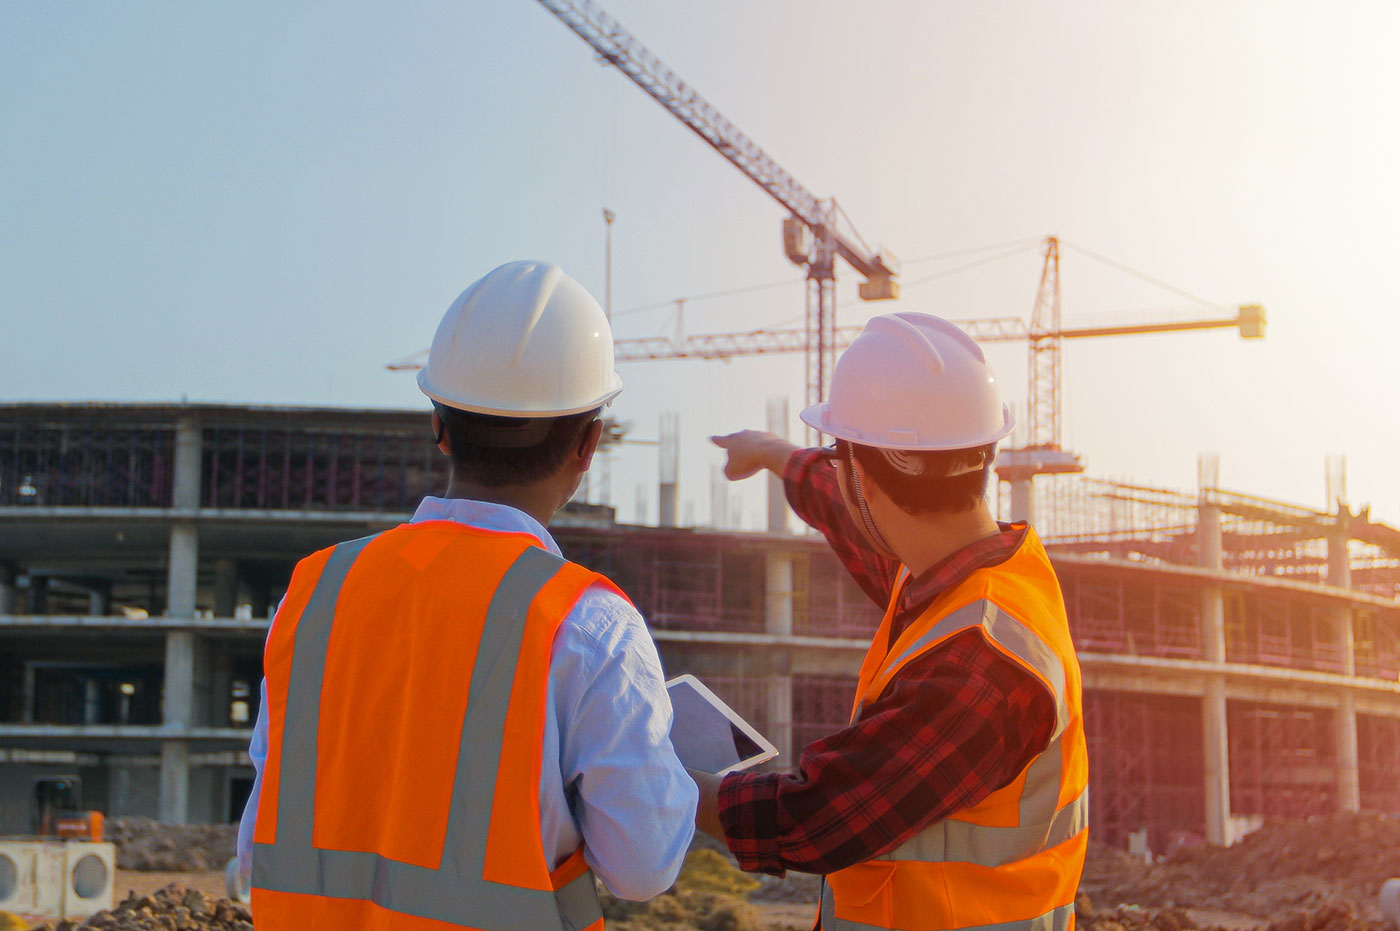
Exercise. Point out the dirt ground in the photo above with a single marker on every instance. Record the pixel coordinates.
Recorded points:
(210, 882)
(1317, 875)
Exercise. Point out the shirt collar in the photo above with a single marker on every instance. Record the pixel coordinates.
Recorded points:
(486, 515)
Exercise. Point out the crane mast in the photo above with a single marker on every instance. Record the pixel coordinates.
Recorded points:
(816, 233)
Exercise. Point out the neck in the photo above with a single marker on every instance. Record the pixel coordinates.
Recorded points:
(540, 500)
(922, 542)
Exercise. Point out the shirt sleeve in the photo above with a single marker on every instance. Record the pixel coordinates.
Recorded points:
(632, 799)
(815, 495)
(257, 752)
(953, 726)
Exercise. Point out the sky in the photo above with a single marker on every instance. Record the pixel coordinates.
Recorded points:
(268, 202)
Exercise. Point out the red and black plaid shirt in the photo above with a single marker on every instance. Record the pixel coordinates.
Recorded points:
(955, 724)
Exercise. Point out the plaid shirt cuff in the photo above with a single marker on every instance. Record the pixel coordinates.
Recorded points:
(748, 808)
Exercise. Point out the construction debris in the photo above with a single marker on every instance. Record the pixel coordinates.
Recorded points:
(1321, 867)
(174, 908)
(1319, 875)
(146, 844)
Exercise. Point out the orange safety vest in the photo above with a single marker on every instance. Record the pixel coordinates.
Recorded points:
(1012, 861)
(406, 687)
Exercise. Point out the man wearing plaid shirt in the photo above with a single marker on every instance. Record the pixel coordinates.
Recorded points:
(967, 719)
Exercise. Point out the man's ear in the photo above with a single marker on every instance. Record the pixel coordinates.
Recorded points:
(589, 444)
(441, 436)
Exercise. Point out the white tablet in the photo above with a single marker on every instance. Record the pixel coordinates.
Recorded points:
(708, 735)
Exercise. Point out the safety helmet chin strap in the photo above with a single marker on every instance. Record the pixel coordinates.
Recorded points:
(858, 493)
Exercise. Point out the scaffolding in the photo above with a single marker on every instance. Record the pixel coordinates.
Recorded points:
(1146, 767)
(1379, 742)
(85, 464)
(1116, 612)
(279, 469)
(1282, 760)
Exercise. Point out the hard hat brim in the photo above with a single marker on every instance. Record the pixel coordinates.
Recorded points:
(480, 407)
(818, 417)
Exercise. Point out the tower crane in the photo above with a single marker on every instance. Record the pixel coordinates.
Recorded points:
(1042, 454)
(816, 232)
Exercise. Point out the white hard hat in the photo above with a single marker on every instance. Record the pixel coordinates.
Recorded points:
(524, 341)
(915, 382)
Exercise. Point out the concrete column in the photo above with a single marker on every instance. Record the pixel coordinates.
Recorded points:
(669, 469)
(100, 599)
(177, 710)
(1210, 554)
(7, 589)
(777, 619)
(225, 587)
(92, 701)
(777, 607)
(27, 711)
(178, 715)
(1208, 540)
(777, 495)
(1348, 767)
(1214, 722)
(38, 594)
(1023, 500)
(182, 577)
(174, 782)
(182, 574)
(780, 718)
(119, 792)
(1339, 575)
(1217, 762)
(189, 457)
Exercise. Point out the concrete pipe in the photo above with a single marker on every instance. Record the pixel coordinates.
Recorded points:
(1390, 900)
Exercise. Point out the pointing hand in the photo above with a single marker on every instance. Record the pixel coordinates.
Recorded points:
(751, 451)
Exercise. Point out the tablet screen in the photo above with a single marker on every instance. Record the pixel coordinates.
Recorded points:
(708, 735)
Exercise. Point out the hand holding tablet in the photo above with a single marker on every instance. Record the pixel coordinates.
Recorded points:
(708, 735)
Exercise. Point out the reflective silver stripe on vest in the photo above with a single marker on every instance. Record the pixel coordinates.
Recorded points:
(1056, 920)
(1007, 631)
(952, 841)
(1041, 823)
(455, 892)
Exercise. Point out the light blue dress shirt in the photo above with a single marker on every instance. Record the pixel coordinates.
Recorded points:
(610, 779)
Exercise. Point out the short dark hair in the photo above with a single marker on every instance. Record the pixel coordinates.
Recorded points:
(933, 491)
(496, 465)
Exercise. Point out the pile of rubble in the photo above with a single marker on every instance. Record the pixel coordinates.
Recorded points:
(1317, 875)
(173, 908)
(1323, 874)
(1324, 868)
(145, 844)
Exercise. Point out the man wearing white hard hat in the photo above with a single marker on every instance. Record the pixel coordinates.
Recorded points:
(461, 728)
(957, 796)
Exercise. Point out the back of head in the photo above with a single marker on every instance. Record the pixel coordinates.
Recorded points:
(916, 398)
(520, 365)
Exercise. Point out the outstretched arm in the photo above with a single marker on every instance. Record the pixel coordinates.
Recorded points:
(815, 496)
(751, 451)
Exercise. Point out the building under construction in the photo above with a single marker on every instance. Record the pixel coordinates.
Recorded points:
(1241, 657)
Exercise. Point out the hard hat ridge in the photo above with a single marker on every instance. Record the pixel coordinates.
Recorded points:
(907, 333)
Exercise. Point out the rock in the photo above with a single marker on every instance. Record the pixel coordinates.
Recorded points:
(173, 908)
